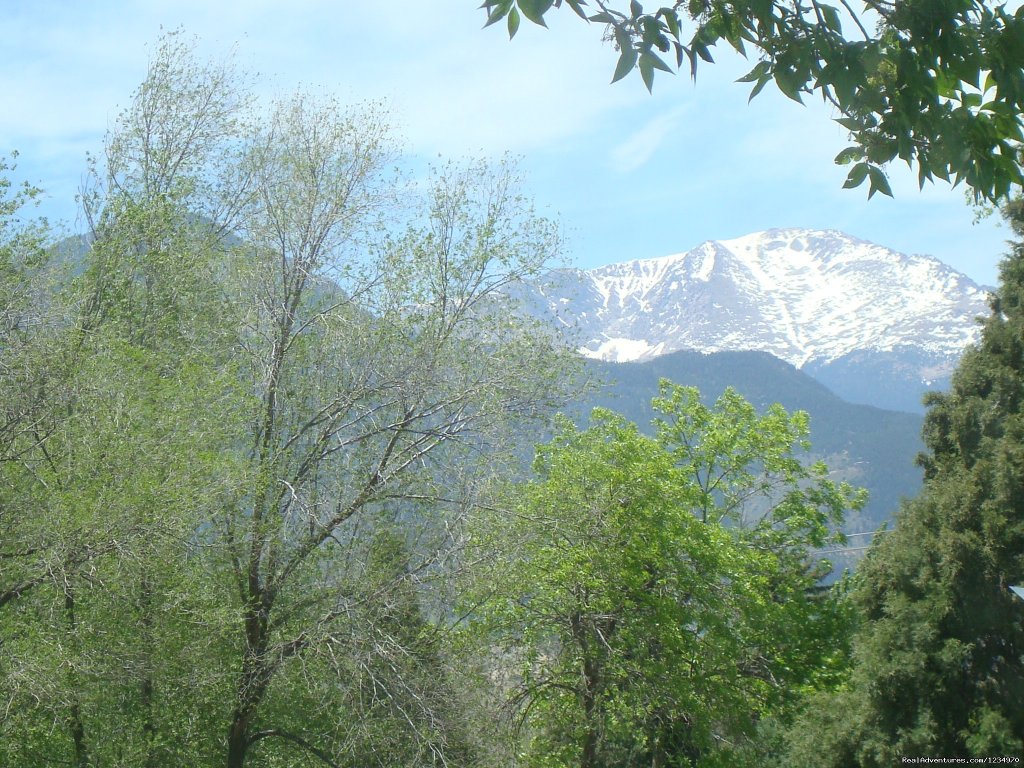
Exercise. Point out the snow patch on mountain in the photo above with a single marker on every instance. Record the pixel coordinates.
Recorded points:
(805, 296)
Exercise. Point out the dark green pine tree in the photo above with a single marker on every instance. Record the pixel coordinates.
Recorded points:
(938, 667)
(408, 709)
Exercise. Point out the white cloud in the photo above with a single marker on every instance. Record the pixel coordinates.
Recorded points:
(701, 162)
(454, 89)
(643, 144)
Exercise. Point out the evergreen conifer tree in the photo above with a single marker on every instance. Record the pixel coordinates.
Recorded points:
(939, 658)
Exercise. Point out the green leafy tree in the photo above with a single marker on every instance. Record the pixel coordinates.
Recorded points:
(27, 390)
(267, 374)
(940, 656)
(658, 590)
(934, 83)
(123, 482)
(380, 375)
(106, 660)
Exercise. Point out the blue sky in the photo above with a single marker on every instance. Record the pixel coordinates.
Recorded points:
(629, 175)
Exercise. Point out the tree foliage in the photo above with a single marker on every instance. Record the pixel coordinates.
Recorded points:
(277, 399)
(141, 402)
(934, 83)
(246, 425)
(379, 371)
(659, 590)
(25, 376)
(940, 657)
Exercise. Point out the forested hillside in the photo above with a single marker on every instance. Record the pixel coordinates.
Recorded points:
(868, 447)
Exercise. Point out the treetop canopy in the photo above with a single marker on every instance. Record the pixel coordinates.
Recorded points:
(938, 84)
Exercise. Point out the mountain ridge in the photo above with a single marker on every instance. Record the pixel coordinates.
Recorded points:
(812, 298)
(864, 445)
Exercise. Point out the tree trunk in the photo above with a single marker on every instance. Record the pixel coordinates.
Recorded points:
(75, 724)
(238, 739)
(78, 736)
(252, 684)
(588, 757)
(591, 682)
(146, 688)
(657, 754)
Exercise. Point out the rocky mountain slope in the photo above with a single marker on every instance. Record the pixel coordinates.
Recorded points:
(876, 326)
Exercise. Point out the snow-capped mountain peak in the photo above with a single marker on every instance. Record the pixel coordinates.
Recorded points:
(809, 297)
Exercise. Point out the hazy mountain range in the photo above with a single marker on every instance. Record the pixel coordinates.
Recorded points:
(874, 325)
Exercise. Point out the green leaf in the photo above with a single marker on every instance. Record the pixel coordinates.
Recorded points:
(905, 146)
(636, 10)
(627, 60)
(513, 23)
(759, 71)
(693, 61)
(849, 155)
(856, 177)
(652, 34)
(602, 18)
(970, 99)
(496, 10)
(844, 82)
(622, 37)
(832, 20)
(759, 87)
(577, 8)
(882, 151)
(762, 9)
(657, 62)
(672, 22)
(788, 84)
(647, 71)
(534, 10)
(923, 174)
(879, 183)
